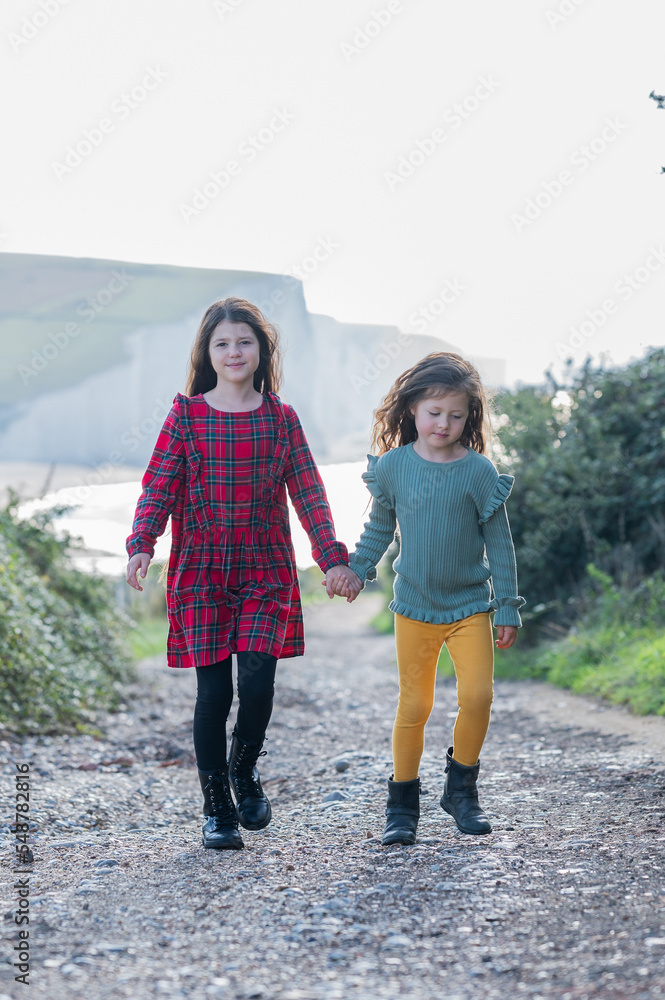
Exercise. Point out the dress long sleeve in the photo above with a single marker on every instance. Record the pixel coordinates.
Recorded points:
(309, 499)
(163, 484)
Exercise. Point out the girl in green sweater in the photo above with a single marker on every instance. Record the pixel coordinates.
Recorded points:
(433, 481)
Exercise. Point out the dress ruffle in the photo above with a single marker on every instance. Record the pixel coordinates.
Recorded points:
(371, 482)
(502, 491)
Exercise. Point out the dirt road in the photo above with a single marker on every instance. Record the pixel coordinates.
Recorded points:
(564, 900)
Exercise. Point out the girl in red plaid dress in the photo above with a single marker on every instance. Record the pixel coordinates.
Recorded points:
(226, 455)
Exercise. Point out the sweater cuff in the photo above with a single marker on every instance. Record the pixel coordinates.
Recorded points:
(363, 570)
(506, 611)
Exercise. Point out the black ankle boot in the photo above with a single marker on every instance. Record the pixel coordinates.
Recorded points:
(460, 796)
(252, 806)
(220, 829)
(402, 812)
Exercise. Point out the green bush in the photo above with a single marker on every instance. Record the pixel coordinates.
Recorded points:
(384, 621)
(62, 652)
(588, 456)
(311, 591)
(616, 649)
(148, 637)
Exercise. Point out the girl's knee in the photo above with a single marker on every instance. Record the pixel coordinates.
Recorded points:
(413, 712)
(476, 702)
(254, 704)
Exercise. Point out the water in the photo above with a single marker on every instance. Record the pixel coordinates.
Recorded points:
(103, 517)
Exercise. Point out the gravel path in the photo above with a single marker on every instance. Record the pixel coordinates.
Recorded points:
(565, 899)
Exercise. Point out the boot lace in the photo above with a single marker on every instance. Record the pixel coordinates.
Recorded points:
(243, 771)
(221, 804)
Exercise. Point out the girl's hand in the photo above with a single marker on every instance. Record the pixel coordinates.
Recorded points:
(138, 563)
(342, 581)
(505, 636)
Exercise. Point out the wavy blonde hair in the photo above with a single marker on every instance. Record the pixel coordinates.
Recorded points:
(435, 375)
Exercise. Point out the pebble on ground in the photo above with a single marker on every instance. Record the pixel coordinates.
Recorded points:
(564, 900)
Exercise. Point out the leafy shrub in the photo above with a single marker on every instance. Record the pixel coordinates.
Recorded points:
(616, 649)
(588, 455)
(62, 653)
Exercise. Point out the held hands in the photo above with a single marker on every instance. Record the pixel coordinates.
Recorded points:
(342, 581)
(505, 636)
(137, 564)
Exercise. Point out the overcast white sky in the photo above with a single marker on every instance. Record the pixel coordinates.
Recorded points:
(220, 71)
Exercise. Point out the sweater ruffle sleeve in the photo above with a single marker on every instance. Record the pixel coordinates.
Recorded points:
(502, 491)
(371, 481)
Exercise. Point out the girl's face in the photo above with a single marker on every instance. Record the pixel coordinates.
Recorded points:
(440, 420)
(234, 353)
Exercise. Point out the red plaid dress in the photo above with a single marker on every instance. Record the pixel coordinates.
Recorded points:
(222, 477)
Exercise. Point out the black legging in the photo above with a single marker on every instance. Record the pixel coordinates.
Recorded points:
(214, 694)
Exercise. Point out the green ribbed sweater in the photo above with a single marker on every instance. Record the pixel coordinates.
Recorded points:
(454, 536)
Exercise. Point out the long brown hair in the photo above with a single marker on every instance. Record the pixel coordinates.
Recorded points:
(202, 377)
(435, 375)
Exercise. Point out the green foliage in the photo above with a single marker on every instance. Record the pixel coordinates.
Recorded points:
(616, 649)
(445, 665)
(589, 460)
(310, 580)
(61, 639)
(147, 608)
(634, 675)
(384, 621)
(148, 637)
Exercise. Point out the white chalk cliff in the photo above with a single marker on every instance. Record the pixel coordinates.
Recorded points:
(94, 352)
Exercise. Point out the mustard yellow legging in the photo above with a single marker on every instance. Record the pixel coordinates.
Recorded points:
(471, 649)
